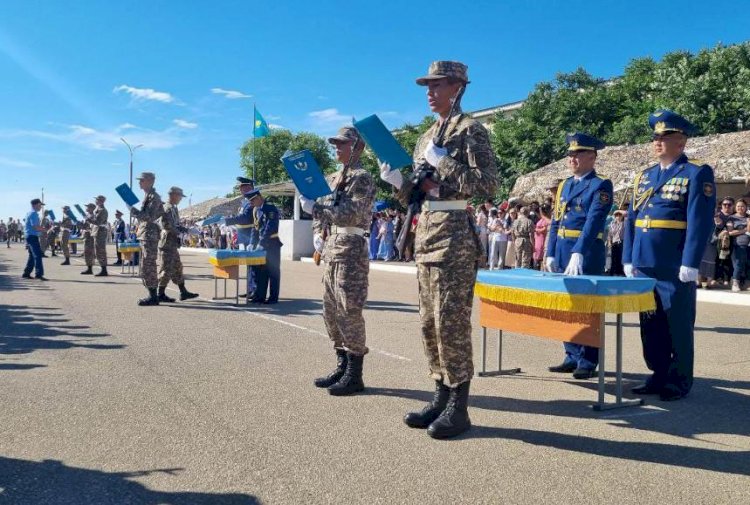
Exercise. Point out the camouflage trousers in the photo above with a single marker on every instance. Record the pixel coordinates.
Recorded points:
(446, 293)
(524, 251)
(171, 267)
(101, 247)
(88, 250)
(64, 243)
(43, 242)
(149, 257)
(344, 296)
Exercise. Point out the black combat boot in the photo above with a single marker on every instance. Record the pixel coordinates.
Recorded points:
(338, 372)
(454, 420)
(351, 382)
(66, 262)
(102, 272)
(163, 295)
(151, 299)
(432, 411)
(185, 294)
(88, 271)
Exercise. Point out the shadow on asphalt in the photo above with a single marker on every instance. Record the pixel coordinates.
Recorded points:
(25, 482)
(709, 410)
(731, 330)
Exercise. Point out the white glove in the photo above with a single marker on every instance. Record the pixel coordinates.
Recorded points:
(575, 265)
(629, 270)
(551, 265)
(318, 242)
(688, 274)
(433, 154)
(392, 177)
(307, 204)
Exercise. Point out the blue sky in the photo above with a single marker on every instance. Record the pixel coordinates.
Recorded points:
(181, 77)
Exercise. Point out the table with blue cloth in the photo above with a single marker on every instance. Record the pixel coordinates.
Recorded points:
(560, 307)
(227, 262)
(128, 251)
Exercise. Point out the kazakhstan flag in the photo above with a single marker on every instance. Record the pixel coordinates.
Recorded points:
(260, 127)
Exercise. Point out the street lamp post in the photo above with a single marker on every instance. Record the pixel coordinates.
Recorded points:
(132, 150)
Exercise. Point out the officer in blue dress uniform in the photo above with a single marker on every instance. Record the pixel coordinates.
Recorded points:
(669, 224)
(243, 222)
(576, 236)
(267, 226)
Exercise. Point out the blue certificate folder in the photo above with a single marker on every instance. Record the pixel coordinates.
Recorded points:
(126, 194)
(382, 142)
(306, 174)
(51, 215)
(80, 211)
(71, 216)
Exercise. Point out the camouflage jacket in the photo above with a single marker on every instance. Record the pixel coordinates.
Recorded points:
(354, 209)
(98, 221)
(148, 216)
(170, 227)
(523, 227)
(469, 171)
(66, 224)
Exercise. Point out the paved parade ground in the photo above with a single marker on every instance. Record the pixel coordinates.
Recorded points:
(105, 402)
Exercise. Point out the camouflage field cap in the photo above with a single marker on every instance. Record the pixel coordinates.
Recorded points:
(65, 207)
(147, 175)
(174, 190)
(90, 206)
(345, 134)
(101, 197)
(442, 69)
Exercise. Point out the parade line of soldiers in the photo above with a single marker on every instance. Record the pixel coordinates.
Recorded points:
(670, 219)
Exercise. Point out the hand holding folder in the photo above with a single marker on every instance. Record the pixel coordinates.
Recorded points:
(127, 195)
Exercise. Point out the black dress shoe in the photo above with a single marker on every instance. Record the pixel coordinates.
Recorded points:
(648, 388)
(670, 394)
(564, 368)
(257, 300)
(41, 278)
(584, 373)
(26, 276)
(270, 302)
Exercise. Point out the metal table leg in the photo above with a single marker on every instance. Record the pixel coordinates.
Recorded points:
(619, 402)
(499, 371)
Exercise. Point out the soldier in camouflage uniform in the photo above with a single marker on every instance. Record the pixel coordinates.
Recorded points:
(148, 234)
(88, 240)
(43, 240)
(169, 244)
(348, 213)
(447, 246)
(65, 226)
(99, 231)
(523, 233)
(52, 234)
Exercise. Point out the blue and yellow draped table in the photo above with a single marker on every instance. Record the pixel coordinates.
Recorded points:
(227, 263)
(128, 250)
(560, 307)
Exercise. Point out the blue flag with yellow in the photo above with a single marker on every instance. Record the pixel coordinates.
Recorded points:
(260, 127)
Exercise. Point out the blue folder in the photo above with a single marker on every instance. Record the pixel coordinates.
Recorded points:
(72, 216)
(212, 220)
(306, 174)
(80, 211)
(382, 142)
(126, 194)
(51, 215)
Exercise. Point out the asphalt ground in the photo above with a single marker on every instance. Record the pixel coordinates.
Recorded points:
(105, 402)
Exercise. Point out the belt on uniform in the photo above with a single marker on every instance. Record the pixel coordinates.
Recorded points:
(669, 224)
(244, 225)
(347, 230)
(440, 205)
(275, 235)
(65, 229)
(566, 233)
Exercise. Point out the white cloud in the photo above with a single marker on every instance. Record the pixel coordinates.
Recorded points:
(231, 94)
(107, 140)
(276, 126)
(127, 126)
(9, 162)
(185, 124)
(327, 116)
(322, 97)
(140, 94)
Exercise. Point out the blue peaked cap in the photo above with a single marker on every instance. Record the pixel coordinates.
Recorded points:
(666, 121)
(251, 194)
(580, 141)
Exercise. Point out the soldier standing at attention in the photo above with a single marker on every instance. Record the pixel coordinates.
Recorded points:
(88, 240)
(670, 220)
(169, 244)
(148, 235)
(576, 237)
(523, 231)
(245, 226)
(66, 224)
(12, 230)
(118, 227)
(99, 231)
(447, 246)
(43, 242)
(266, 218)
(348, 212)
(52, 233)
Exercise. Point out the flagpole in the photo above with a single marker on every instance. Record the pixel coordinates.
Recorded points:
(253, 151)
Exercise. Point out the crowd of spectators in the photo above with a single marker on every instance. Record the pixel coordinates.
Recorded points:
(725, 260)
